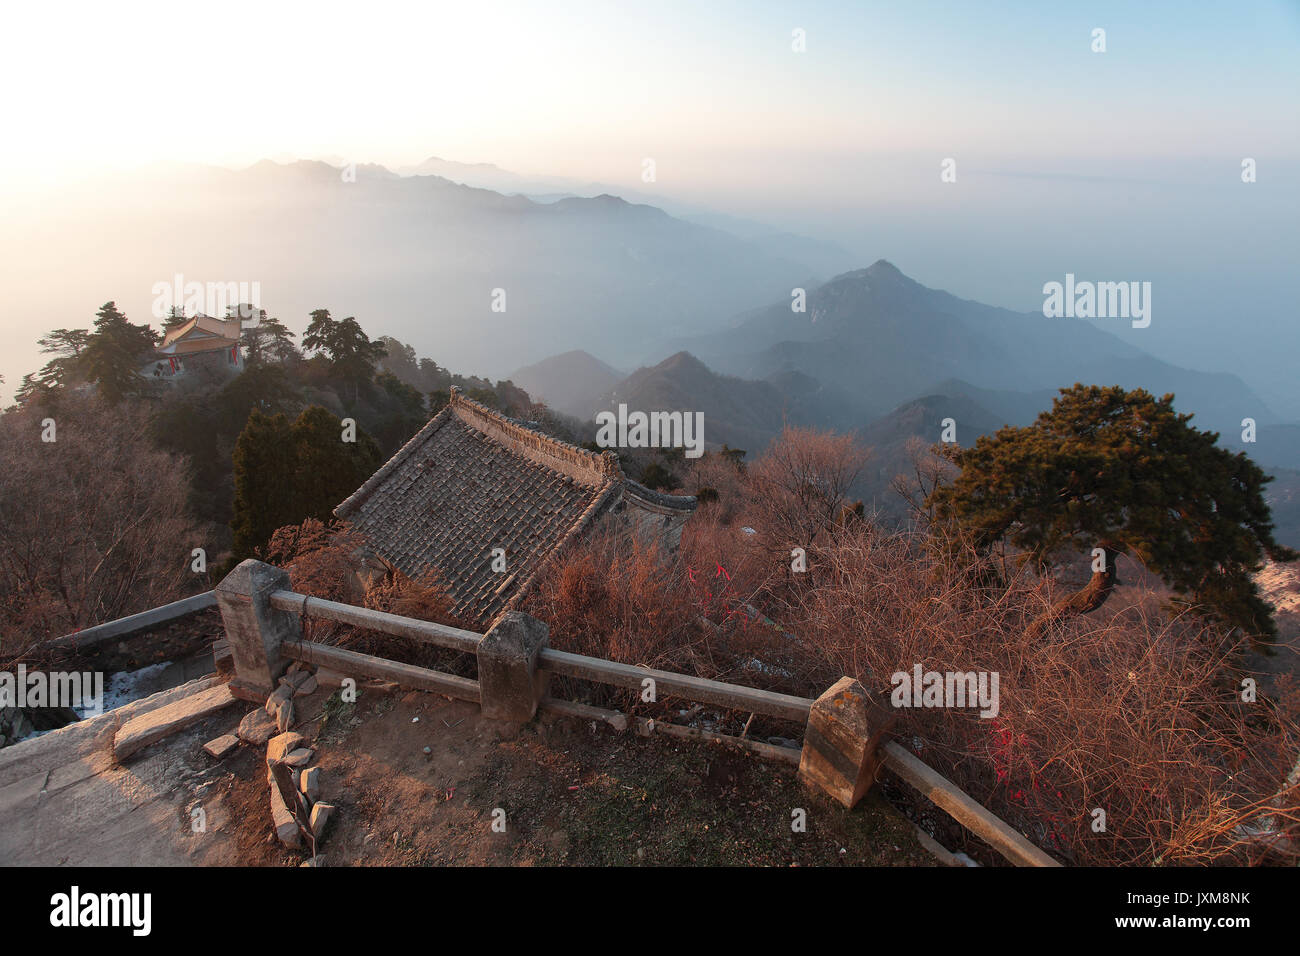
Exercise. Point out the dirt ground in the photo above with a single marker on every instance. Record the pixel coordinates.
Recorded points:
(558, 791)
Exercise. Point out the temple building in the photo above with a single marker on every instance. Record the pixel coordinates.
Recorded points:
(200, 339)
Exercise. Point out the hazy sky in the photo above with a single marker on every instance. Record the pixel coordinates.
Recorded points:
(1124, 164)
(591, 88)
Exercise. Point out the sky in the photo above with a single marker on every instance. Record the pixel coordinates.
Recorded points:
(1112, 163)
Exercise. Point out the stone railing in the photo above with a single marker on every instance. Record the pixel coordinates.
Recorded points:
(846, 732)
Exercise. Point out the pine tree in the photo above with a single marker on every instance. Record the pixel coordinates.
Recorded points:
(1123, 473)
(279, 342)
(66, 345)
(287, 472)
(328, 469)
(351, 354)
(114, 352)
(264, 478)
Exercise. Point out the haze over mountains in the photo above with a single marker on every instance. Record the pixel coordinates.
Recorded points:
(416, 257)
(872, 339)
(884, 338)
(586, 281)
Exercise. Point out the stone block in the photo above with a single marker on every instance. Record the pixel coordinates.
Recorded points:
(841, 745)
(278, 697)
(510, 683)
(254, 629)
(286, 827)
(309, 782)
(298, 758)
(284, 716)
(222, 745)
(154, 725)
(257, 727)
(320, 815)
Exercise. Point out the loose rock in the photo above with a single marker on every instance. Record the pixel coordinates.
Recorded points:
(280, 747)
(320, 815)
(286, 828)
(257, 728)
(299, 758)
(294, 679)
(222, 745)
(284, 716)
(309, 782)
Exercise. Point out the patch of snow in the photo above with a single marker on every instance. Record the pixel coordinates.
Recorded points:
(755, 664)
(126, 686)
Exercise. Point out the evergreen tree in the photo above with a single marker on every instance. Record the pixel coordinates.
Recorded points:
(401, 412)
(114, 352)
(278, 342)
(328, 469)
(264, 478)
(261, 386)
(287, 472)
(351, 354)
(1123, 473)
(66, 345)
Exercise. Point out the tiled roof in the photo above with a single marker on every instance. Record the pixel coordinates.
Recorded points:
(472, 480)
(211, 334)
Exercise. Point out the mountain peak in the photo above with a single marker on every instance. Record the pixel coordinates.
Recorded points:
(881, 274)
(684, 361)
(884, 270)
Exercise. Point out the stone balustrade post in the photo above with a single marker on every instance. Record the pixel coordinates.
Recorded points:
(842, 743)
(254, 629)
(510, 684)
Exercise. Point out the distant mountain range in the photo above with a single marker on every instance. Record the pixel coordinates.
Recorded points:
(420, 258)
(879, 354)
(748, 414)
(884, 338)
(818, 256)
(872, 340)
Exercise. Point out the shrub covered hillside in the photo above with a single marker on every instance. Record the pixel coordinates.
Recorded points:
(1135, 708)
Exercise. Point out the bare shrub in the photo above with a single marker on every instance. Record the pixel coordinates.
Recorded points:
(324, 561)
(93, 526)
(614, 596)
(725, 477)
(800, 487)
(1134, 713)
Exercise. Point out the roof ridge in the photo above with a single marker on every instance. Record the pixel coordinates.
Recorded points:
(660, 498)
(578, 463)
(177, 331)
